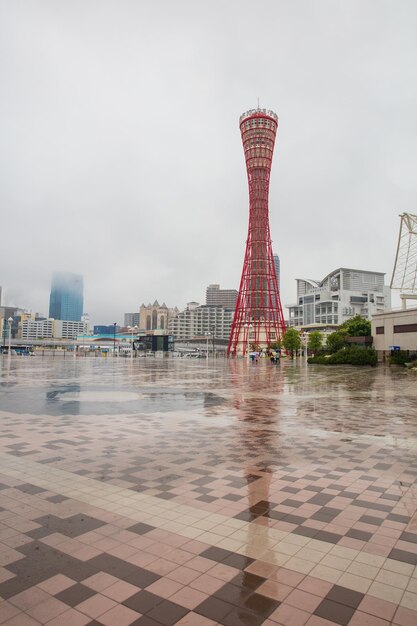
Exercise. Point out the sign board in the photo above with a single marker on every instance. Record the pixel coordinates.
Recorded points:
(394, 348)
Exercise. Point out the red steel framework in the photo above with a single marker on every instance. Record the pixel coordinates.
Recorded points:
(258, 318)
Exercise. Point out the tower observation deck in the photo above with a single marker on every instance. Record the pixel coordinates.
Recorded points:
(258, 319)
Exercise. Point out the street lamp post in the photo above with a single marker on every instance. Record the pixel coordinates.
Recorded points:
(207, 344)
(213, 328)
(131, 330)
(10, 321)
(249, 328)
(114, 339)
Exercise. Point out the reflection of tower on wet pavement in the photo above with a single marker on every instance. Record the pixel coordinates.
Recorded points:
(258, 492)
(258, 413)
(256, 399)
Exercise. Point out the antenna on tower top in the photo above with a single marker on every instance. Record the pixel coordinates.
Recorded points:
(258, 103)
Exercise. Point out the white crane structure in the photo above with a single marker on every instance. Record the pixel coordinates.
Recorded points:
(404, 275)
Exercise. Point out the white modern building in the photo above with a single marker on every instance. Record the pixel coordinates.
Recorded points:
(36, 329)
(341, 295)
(31, 329)
(65, 329)
(199, 320)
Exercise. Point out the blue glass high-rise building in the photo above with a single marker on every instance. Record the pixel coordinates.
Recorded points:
(66, 301)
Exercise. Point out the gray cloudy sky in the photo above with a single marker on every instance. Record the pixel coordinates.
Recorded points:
(121, 157)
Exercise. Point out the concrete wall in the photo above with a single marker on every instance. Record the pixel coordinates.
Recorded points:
(395, 328)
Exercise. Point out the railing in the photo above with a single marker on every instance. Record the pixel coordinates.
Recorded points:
(252, 112)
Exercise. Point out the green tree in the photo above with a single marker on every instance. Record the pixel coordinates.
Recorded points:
(292, 341)
(336, 341)
(315, 340)
(357, 327)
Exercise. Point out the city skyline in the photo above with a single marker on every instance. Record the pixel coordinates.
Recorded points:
(121, 151)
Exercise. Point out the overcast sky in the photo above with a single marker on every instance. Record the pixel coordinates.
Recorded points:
(121, 156)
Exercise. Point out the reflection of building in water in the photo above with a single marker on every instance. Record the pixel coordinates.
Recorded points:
(212, 401)
(67, 407)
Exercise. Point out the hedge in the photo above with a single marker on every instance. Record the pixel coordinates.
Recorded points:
(401, 357)
(354, 355)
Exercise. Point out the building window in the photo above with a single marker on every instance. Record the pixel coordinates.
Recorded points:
(405, 328)
(380, 330)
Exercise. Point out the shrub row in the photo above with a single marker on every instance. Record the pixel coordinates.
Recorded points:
(401, 357)
(354, 355)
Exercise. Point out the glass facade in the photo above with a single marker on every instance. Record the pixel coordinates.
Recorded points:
(66, 301)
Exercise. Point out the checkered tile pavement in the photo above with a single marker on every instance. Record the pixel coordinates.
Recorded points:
(226, 494)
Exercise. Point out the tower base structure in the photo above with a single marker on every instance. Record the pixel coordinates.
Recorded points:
(251, 339)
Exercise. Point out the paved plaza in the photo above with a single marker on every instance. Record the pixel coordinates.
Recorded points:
(178, 491)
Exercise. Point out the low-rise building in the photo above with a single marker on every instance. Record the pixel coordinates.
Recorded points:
(102, 329)
(66, 329)
(394, 330)
(200, 320)
(341, 295)
(31, 329)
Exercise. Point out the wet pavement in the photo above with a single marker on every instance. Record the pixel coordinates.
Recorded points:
(172, 491)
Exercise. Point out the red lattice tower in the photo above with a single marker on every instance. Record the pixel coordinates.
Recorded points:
(258, 315)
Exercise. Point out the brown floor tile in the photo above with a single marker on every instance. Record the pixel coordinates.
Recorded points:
(345, 596)
(335, 612)
(214, 609)
(242, 616)
(167, 612)
(143, 601)
(75, 594)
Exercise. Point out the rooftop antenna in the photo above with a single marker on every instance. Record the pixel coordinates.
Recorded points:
(258, 103)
